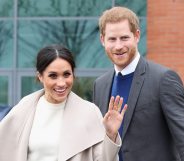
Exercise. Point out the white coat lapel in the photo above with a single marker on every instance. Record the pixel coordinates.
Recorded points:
(81, 128)
(26, 129)
(17, 125)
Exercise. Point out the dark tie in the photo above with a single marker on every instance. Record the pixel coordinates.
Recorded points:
(116, 90)
(121, 86)
(117, 84)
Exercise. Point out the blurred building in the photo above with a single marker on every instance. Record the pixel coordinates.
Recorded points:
(165, 33)
(28, 25)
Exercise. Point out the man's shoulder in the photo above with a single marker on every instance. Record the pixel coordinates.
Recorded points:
(158, 71)
(154, 66)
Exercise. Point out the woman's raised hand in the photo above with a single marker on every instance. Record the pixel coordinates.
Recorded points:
(114, 117)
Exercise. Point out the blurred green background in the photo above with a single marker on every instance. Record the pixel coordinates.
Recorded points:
(28, 25)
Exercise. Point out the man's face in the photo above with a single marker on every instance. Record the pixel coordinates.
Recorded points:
(120, 43)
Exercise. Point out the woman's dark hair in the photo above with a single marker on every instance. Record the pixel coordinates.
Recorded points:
(49, 53)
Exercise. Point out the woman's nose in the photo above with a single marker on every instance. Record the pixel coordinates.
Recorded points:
(60, 82)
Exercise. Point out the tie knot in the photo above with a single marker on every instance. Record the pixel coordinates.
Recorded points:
(119, 74)
(119, 77)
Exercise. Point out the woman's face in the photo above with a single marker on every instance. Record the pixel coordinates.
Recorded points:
(57, 80)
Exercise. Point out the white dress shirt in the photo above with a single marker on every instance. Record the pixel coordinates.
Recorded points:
(130, 67)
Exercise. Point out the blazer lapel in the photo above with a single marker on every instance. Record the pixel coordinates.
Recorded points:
(137, 83)
(106, 88)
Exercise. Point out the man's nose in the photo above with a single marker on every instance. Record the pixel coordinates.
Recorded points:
(119, 45)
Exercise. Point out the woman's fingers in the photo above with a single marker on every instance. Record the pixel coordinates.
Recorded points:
(106, 117)
(116, 103)
(124, 110)
(111, 103)
(120, 104)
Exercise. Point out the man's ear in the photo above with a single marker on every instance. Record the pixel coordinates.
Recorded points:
(137, 35)
(102, 39)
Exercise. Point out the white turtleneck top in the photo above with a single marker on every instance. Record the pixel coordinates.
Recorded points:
(45, 133)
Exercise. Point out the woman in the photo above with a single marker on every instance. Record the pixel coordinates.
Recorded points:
(54, 124)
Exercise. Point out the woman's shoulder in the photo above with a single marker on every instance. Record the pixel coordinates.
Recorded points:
(32, 96)
(27, 100)
(79, 99)
(84, 105)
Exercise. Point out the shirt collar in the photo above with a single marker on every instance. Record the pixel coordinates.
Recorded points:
(130, 67)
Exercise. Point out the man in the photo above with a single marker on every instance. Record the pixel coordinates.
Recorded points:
(153, 126)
